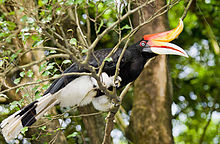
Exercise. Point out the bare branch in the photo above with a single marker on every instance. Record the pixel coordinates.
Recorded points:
(109, 125)
(79, 28)
(37, 62)
(186, 9)
(88, 26)
(48, 79)
(206, 126)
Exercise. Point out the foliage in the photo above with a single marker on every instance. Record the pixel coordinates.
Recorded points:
(197, 80)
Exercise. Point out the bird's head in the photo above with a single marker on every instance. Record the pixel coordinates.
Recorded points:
(158, 43)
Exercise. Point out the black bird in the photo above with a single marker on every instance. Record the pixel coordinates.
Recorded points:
(81, 90)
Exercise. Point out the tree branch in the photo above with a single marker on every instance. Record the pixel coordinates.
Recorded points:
(186, 9)
(111, 116)
(48, 79)
(36, 62)
(206, 127)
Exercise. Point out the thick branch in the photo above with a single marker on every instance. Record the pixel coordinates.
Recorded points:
(111, 116)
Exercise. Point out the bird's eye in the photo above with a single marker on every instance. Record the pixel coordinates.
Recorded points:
(143, 43)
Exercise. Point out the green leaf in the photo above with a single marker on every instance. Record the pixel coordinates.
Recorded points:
(53, 51)
(6, 57)
(56, 75)
(24, 129)
(80, 1)
(36, 87)
(66, 61)
(109, 59)
(11, 13)
(49, 67)
(25, 95)
(70, 30)
(42, 67)
(23, 18)
(17, 80)
(37, 95)
(2, 1)
(22, 74)
(46, 73)
(58, 129)
(43, 128)
(73, 41)
(55, 70)
(48, 134)
(1, 63)
(30, 73)
(14, 105)
(45, 86)
(42, 2)
(35, 37)
(13, 56)
(84, 51)
(126, 27)
(17, 90)
(37, 43)
(74, 134)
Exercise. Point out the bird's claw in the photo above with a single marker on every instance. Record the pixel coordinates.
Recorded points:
(117, 82)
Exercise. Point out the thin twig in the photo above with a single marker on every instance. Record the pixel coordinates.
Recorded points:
(186, 9)
(48, 79)
(79, 28)
(88, 26)
(37, 62)
(206, 126)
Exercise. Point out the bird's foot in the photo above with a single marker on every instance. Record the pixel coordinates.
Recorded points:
(117, 82)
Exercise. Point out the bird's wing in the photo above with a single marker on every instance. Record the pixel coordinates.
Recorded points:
(110, 63)
(96, 60)
(63, 81)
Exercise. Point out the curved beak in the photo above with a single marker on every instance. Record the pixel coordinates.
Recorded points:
(159, 42)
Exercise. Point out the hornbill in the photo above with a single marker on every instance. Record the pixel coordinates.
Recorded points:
(81, 90)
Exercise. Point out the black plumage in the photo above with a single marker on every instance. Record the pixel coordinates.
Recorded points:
(131, 65)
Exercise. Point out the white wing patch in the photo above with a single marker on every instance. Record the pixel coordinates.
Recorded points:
(82, 91)
(78, 92)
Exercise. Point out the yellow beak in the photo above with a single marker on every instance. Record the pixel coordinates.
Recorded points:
(159, 42)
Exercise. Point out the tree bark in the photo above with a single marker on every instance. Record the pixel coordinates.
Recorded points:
(150, 120)
(94, 125)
